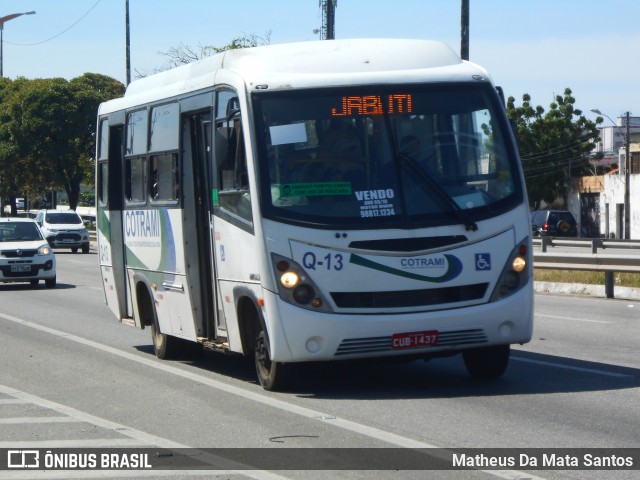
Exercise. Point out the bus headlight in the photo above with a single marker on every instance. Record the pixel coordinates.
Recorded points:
(516, 273)
(296, 287)
(289, 279)
(519, 264)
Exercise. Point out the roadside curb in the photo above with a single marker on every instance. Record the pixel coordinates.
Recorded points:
(621, 293)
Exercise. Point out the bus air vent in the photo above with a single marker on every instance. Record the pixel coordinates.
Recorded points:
(408, 244)
(410, 298)
(354, 346)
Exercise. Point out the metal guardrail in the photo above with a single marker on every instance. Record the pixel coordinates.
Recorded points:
(593, 257)
(593, 243)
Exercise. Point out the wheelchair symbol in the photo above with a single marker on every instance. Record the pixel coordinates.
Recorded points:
(483, 261)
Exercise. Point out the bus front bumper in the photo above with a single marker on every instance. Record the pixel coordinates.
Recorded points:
(303, 335)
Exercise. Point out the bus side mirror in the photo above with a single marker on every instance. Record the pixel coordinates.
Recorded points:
(501, 95)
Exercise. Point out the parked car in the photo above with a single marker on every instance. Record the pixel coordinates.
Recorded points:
(25, 255)
(554, 223)
(64, 229)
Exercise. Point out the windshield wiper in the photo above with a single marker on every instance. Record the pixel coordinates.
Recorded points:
(410, 165)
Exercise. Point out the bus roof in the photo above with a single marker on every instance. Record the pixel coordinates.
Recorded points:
(306, 65)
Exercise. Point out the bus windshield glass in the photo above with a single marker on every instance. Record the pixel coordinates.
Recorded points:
(392, 157)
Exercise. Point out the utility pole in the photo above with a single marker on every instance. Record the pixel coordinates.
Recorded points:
(127, 43)
(328, 8)
(464, 30)
(627, 186)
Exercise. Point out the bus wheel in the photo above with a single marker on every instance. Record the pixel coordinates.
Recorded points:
(162, 344)
(488, 362)
(165, 346)
(271, 375)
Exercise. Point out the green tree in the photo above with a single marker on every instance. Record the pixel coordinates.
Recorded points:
(555, 145)
(47, 132)
(10, 169)
(90, 90)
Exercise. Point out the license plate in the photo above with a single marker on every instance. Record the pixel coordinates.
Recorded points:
(20, 268)
(427, 338)
(66, 240)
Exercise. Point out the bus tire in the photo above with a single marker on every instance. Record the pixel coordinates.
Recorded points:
(272, 376)
(168, 347)
(487, 362)
(165, 346)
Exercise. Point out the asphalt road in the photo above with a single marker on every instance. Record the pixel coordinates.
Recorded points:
(72, 377)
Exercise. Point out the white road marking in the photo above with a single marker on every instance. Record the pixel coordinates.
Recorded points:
(570, 367)
(342, 423)
(84, 443)
(136, 438)
(24, 420)
(557, 317)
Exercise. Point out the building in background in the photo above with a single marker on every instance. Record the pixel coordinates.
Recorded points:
(597, 201)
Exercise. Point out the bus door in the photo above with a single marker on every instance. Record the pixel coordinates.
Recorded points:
(233, 245)
(110, 206)
(202, 281)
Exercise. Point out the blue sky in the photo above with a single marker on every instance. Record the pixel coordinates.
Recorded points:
(529, 46)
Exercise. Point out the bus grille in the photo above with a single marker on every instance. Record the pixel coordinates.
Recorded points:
(352, 346)
(409, 298)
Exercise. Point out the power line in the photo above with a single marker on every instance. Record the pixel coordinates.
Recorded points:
(555, 151)
(58, 34)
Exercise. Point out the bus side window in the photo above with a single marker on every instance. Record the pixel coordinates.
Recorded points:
(135, 180)
(230, 159)
(102, 182)
(136, 157)
(164, 177)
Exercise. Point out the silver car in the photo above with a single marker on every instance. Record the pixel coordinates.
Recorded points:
(25, 255)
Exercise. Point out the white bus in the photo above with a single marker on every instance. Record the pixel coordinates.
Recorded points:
(317, 201)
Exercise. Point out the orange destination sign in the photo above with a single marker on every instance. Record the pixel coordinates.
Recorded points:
(373, 105)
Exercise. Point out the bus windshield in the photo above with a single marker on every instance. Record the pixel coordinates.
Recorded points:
(392, 157)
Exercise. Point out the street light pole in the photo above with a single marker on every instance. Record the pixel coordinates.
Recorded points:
(627, 168)
(627, 171)
(3, 20)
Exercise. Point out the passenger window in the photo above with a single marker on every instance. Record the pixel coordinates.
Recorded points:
(103, 158)
(136, 133)
(103, 182)
(134, 180)
(136, 150)
(232, 178)
(164, 177)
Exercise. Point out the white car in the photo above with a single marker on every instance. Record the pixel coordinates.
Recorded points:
(25, 255)
(64, 229)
